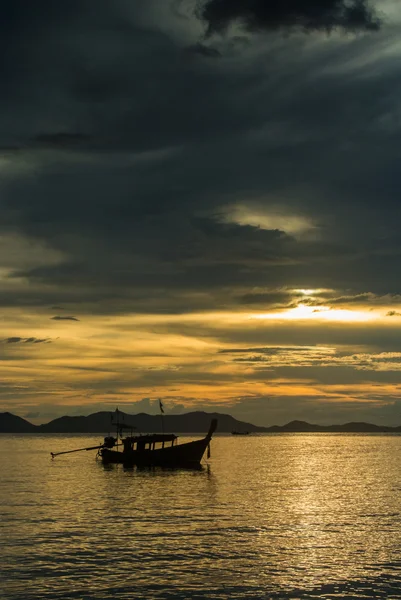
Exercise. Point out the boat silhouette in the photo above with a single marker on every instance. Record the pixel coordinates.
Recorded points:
(151, 450)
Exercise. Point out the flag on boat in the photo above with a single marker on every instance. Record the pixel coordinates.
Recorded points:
(161, 406)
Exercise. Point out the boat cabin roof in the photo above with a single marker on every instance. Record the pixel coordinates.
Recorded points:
(154, 437)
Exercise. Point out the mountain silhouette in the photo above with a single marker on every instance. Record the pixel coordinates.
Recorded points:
(193, 422)
(10, 423)
(102, 422)
(352, 427)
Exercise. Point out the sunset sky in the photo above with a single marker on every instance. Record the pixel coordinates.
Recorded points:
(200, 202)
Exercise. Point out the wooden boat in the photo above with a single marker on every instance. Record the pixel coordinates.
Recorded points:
(150, 450)
(240, 432)
(158, 450)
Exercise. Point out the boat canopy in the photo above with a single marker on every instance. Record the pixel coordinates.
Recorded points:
(153, 438)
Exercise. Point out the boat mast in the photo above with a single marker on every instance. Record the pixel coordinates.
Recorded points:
(162, 414)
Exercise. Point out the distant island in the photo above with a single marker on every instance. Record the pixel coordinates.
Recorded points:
(192, 422)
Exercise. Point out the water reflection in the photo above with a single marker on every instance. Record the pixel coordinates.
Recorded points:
(271, 516)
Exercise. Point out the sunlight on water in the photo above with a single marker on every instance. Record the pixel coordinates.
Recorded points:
(278, 516)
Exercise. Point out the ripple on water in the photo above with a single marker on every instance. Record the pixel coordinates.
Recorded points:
(289, 517)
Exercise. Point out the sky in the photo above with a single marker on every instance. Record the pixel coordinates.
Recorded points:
(200, 202)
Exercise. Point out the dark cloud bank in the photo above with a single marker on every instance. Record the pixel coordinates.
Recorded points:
(131, 145)
(271, 15)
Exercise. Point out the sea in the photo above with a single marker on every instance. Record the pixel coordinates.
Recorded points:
(268, 516)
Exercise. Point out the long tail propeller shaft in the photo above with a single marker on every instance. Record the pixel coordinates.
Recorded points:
(53, 454)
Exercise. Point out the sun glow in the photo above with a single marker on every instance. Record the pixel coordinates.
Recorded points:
(311, 292)
(319, 313)
(306, 292)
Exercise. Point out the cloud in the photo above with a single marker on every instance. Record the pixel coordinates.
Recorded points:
(307, 357)
(273, 350)
(31, 340)
(49, 141)
(268, 299)
(62, 318)
(203, 178)
(203, 50)
(61, 139)
(271, 15)
(367, 298)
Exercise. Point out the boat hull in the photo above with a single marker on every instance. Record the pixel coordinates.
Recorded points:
(187, 455)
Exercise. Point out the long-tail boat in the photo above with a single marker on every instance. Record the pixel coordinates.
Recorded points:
(148, 450)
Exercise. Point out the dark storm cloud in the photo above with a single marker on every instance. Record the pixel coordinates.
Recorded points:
(51, 141)
(203, 50)
(182, 254)
(60, 318)
(278, 299)
(181, 136)
(271, 15)
(60, 139)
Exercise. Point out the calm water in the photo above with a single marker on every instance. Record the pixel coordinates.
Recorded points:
(279, 516)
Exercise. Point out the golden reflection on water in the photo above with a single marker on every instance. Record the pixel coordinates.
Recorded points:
(268, 516)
